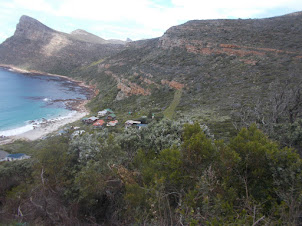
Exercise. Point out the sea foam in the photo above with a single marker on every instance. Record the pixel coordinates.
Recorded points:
(35, 124)
(17, 131)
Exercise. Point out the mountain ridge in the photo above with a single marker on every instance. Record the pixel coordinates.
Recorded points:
(35, 46)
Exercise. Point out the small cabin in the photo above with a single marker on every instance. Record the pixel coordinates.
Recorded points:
(112, 123)
(90, 120)
(99, 123)
(132, 122)
(111, 117)
(102, 113)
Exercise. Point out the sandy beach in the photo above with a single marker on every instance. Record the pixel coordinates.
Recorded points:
(50, 126)
(44, 130)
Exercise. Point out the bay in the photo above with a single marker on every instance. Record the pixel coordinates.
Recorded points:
(27, 100)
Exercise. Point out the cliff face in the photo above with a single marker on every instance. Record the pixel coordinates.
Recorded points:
(38, 47)
(32, 29)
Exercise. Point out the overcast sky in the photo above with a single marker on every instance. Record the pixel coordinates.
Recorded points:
(136, 19)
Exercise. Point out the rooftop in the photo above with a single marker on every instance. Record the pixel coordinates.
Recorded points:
(16, 156)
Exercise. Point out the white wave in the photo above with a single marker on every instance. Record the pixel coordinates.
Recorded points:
(13, 132)
(46, 99)
(34, 124)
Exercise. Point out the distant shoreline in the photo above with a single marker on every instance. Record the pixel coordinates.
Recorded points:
(91, 88)
(78, 107)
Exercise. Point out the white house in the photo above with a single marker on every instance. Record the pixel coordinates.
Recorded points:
(102, 113)
(131, 122)
(112, 123)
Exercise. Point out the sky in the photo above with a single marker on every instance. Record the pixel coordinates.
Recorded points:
(134, 19)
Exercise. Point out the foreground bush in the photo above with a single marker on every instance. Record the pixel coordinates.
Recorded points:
(165, 174)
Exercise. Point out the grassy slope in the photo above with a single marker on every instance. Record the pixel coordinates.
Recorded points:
(170, 111)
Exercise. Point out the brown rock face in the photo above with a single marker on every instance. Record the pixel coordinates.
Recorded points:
(127, 88)
(173, 84)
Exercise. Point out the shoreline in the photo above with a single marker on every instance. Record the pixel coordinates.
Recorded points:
(47, 128)
(92, 89)
(50, 126)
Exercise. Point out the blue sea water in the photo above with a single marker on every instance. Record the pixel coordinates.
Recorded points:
(26, 99)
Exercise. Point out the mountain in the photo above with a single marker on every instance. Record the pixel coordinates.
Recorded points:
(35, 46)
(222, 68)
(214, 71)
(88, 37)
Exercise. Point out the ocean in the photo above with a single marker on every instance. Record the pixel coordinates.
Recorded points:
(27, 100)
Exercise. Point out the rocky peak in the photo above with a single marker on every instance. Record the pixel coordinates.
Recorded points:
(31, 28)
(80, 32)
(87, 37)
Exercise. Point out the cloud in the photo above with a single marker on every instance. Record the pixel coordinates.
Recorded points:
(34, 5)
(142, 17)
(231, 8)
(158, 16)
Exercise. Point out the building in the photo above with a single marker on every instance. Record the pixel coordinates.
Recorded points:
(132, 122)
(18, 156)
(111, 116)
(90, 120)
(112, 123)
(99, 123)
(102, 113)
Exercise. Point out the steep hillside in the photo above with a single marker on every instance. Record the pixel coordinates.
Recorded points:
(221, 66)
(38, 47)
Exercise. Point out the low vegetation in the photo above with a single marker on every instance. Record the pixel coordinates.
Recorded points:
(169, 112)
(168, 173)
